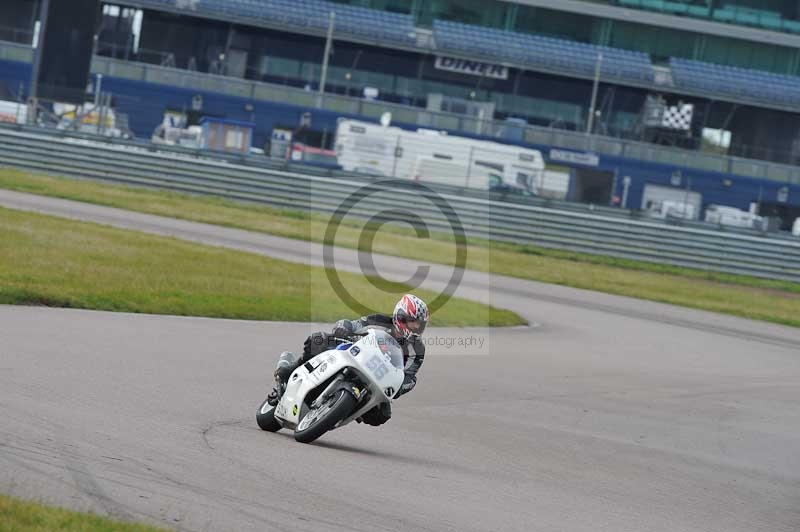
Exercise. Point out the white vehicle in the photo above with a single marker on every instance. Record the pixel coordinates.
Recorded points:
(336, 387)
(431, 156)
(173, 131)
(13, 112)
(88, 118)
(733, 217)
(796, 227)
(190, 137)
(672, 209)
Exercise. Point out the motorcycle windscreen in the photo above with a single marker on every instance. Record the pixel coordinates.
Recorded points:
(389, 346)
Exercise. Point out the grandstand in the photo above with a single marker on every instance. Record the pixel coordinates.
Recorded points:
(543, 47)
(735, 62)
(718, 79)
(540, 50)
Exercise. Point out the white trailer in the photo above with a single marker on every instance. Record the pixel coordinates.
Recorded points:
(733, 217)
(13, 112)
(435, 157)
(88, 118)
(663, 202)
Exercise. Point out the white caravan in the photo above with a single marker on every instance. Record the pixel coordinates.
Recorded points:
(88, 118)
(435, 157)
(13, 112)
(733, 217)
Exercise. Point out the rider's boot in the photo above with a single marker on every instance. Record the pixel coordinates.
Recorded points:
(287, 363)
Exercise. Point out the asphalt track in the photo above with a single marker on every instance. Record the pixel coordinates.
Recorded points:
(608, 414)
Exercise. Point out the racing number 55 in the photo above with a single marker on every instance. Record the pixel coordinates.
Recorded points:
(377, 367)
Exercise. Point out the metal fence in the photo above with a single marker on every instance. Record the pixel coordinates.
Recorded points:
(760, 256)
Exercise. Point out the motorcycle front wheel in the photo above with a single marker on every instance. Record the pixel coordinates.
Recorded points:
(320, 420)
(266, 419)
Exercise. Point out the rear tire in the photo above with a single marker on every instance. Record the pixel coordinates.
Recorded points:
(266, 419)
(339, 407)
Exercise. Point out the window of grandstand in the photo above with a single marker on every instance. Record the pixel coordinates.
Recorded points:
(490, 13)
(393, 6)
(716, 140)
(573, 26)
(120, 31)
(17, 20)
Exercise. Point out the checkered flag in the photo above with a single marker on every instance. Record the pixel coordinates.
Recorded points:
(678, 117)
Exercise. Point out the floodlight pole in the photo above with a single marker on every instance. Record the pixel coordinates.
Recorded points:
(328, 42)
(597, 67)
(33, 93)
(626, 185)
(98, 84)
(688, 189)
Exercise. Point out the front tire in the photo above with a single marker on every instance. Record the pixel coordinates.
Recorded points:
(325, 417)
(266, 419)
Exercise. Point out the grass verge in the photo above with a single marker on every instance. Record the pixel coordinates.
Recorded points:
(56, 262)
(23, 516)
(774, 301)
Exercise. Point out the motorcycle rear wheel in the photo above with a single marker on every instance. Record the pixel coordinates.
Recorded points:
(325, 417)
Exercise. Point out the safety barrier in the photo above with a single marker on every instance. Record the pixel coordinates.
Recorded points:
(763, 256)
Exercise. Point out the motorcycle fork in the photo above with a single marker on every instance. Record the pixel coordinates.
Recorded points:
(342, 382)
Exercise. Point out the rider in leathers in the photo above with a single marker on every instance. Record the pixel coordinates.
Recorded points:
(406, 325)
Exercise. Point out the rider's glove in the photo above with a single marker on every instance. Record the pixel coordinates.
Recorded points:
(408, 384)
(341, 332)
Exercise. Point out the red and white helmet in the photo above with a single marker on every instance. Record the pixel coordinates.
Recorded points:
(410, 316)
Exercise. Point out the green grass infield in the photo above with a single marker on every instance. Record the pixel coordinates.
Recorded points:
(24, 516)
(749, 297)
(63, 263)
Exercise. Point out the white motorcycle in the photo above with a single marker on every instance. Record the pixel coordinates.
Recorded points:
(336, 387)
